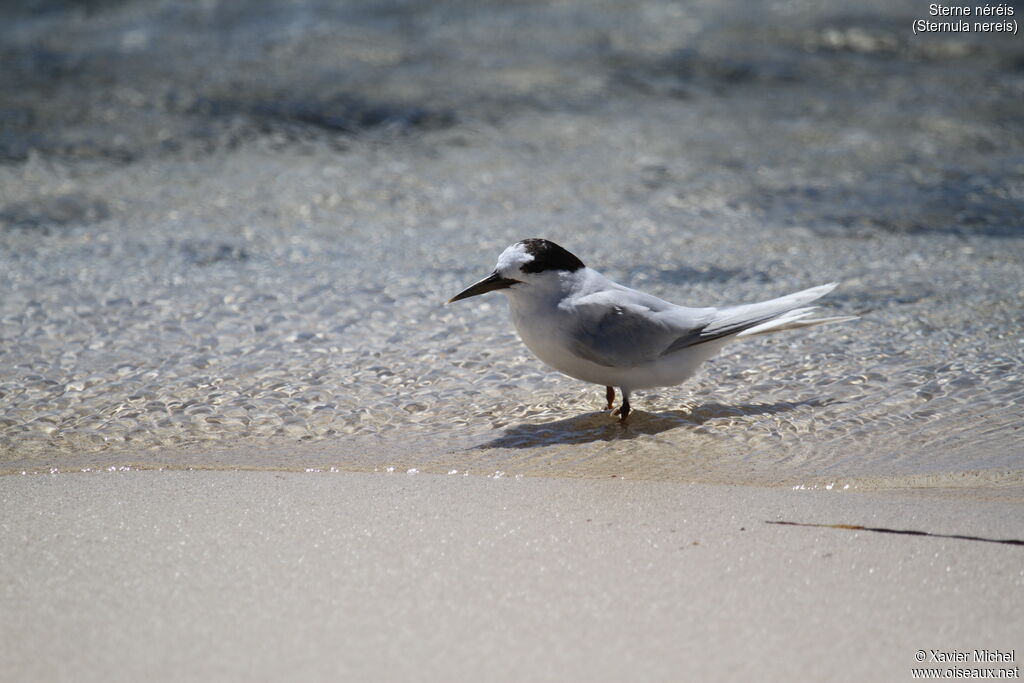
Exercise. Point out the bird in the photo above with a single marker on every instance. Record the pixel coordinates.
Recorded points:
(586, 326)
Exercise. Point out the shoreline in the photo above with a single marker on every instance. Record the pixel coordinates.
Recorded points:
(430, 454)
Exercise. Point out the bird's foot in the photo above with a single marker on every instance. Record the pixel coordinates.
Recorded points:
(609, 394)
(623, 412)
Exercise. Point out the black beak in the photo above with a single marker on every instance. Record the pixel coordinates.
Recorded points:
(488, 284)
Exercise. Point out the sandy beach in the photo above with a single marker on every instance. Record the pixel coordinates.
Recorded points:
(263, 576)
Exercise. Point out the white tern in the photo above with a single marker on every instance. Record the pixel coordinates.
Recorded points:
(586, 326)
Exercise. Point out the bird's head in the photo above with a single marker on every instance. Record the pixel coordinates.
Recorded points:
(530, 265)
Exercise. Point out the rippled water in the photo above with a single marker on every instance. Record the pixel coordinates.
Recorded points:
(228, 246)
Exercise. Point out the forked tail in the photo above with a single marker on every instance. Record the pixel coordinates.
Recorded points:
(785, 313)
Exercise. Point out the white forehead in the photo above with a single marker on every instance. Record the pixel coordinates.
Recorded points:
(513, 258)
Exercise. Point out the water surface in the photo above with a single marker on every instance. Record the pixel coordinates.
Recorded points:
(226, 235)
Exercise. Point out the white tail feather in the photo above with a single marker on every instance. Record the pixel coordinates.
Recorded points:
(785, 313)
(787, 322)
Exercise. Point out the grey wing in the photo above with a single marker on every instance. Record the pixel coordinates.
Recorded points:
(623, 328)
(618, 330)
(719, 326)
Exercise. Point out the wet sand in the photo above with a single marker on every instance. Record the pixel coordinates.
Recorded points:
(251, 576)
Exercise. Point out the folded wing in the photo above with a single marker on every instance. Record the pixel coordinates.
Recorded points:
(627, 328)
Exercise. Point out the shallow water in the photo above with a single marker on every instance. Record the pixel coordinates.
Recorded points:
(226, 237)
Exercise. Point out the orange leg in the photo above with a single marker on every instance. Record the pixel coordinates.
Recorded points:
(623, 410)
